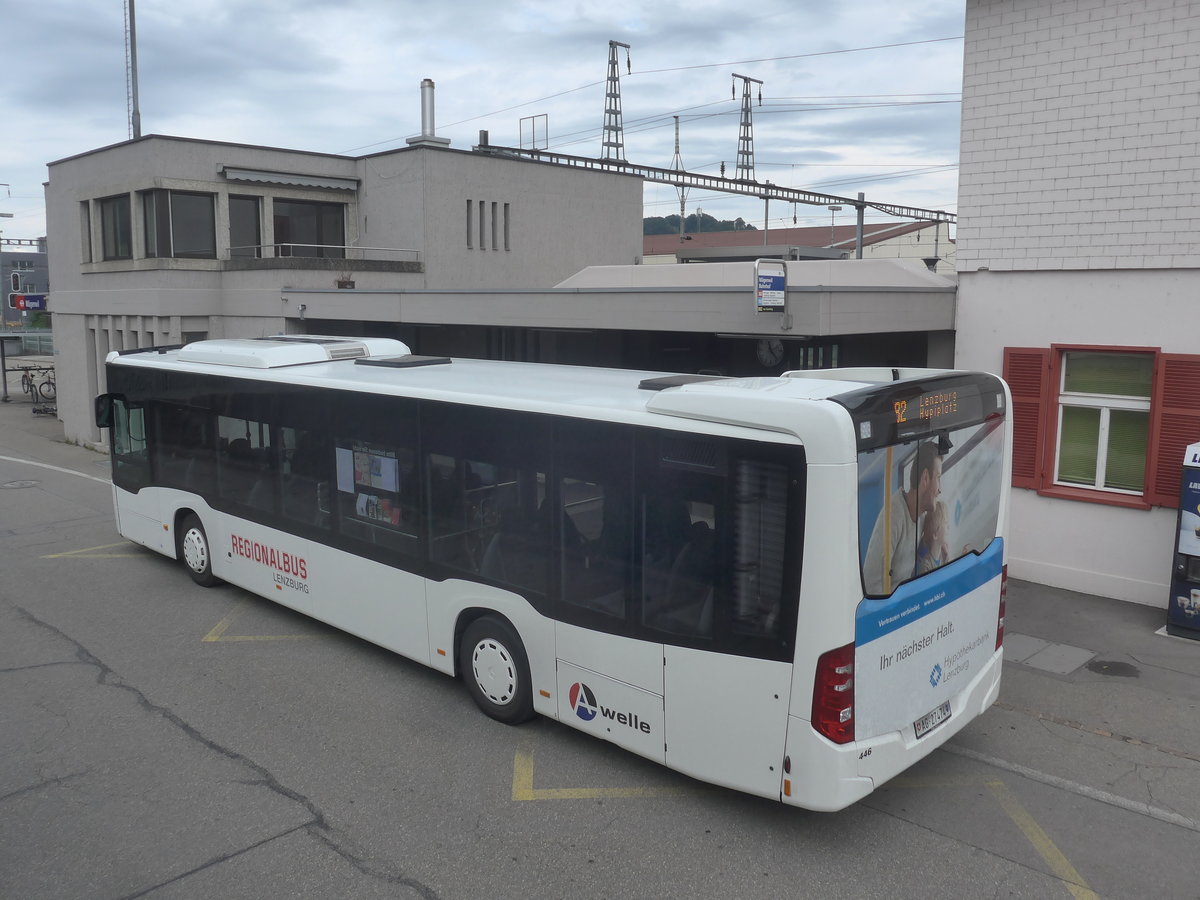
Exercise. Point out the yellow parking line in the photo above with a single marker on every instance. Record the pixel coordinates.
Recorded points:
(218, 632)
(262, 637)
(220, 628)
(1045, 847)
(523, 788)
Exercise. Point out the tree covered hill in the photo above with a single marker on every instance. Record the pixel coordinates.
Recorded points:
(692, 224)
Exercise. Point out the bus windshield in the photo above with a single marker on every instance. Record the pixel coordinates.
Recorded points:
(926, 503)
(931, 464)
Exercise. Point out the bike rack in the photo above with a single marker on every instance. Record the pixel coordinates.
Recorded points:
(46, 373)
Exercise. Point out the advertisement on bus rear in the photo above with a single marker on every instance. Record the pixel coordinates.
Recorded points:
(924, 644)
(931, 561)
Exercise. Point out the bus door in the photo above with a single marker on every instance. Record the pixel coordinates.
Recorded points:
(610, 670)
(138, 513)
(618, 701)
(722, 608)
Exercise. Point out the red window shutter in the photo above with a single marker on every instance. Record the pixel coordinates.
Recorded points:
(1027, 370)
(1174, 423)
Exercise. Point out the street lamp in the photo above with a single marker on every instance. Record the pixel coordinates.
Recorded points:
(833, 211)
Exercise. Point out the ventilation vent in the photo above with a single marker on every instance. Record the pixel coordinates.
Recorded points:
(670, 381)
(347, 351)
(335, 347)
(404, 362)
(288, 350)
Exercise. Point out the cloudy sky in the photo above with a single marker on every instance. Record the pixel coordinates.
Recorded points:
(856, 96)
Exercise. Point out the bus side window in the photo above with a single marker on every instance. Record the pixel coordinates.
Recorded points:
(304, 477)
(679, 560)
(183, 448)
(487, 486)
(759, 538)
(595, 520)
(246, 466)
(376, 495)
(683, 506)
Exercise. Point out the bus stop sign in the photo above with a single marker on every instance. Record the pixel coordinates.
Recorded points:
(770, 285)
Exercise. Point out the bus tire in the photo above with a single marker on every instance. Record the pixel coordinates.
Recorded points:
(495, 668)
(195, 551)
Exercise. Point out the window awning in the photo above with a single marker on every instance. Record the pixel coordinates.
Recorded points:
(289, 178)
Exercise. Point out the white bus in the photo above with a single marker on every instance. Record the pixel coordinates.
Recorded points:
(789, 586)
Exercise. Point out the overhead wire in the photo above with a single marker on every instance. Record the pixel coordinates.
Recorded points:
(591, 84)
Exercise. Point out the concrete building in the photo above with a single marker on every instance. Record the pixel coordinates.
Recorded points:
(1079, 272)
(164, 240)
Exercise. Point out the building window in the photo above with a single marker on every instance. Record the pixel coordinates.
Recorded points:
(179, 224)
(85, 231)
(115, 230)
(1102, 424)
(1104, 420)
(309, 228)
(245, 226)
(480, 219)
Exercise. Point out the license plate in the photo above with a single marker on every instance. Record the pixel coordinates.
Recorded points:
(932, 720)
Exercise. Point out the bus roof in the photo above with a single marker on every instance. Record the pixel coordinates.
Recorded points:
(385, 366)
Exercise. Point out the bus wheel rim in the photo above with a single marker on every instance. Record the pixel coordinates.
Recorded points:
(494, 670)
(195, 551)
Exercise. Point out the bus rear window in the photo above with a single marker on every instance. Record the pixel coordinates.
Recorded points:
(927, 502)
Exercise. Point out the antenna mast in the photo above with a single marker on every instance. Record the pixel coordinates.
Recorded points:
(745, 154)
(677, 165)
(613, 142)
(131, 81)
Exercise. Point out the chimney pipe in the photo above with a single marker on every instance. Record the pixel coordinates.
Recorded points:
(427, 126)
(428, 136)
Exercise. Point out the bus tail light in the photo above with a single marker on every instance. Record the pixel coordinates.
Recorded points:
(1003, 607)
(833, 695)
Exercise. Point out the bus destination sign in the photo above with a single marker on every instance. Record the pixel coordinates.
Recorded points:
(934, 405)
(918, 407)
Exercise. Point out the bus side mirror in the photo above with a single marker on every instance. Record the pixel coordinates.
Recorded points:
(104, 411)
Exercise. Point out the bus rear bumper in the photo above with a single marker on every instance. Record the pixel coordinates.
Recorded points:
(828, 777)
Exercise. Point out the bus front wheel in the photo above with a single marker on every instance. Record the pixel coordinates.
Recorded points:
(196, 553)
(495, 669)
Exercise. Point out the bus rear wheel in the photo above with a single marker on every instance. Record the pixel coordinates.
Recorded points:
(195, 552)
(495, 668)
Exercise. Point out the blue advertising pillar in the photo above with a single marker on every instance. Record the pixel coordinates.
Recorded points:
(1183, 609)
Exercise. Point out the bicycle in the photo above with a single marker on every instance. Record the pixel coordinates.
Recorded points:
(46, 390)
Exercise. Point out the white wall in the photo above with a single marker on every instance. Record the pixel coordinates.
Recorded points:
(1080, 140)
(1086, 547)
(1079, 223)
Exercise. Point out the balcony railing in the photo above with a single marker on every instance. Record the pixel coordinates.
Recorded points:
(323, 251)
